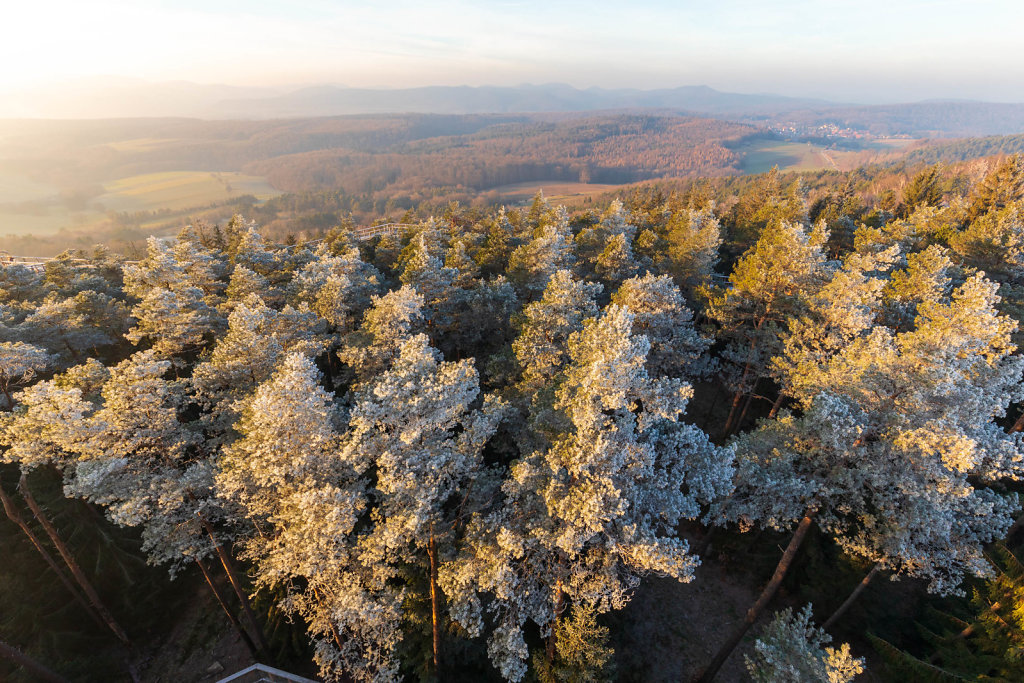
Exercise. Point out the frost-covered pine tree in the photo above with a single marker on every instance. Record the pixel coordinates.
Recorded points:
(616, 261)
(791, 648)
(458, 258)
(582, 519)
(693, 238)
(897, 445)
(242, 284)
(19, 363)
(336, 288)
(417, 428)
(533, 264)
(173, 323)
(546, 325)
(73, 328)
(258, 337)
(605, 249)
(436, 283)
(660, 314)
(173, 314)
(390, 321)
(305, 499)
(497, 246)
(137, 460)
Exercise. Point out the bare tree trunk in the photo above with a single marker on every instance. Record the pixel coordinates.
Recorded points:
(14, 516)
(13, 654)
(709, 672)
(775, 406)
(853, 596)
(435, 602)
(76, 571)
(736, 398)
(225, 561)
(1018, 426)
(227, 610)
(743, 413)
(729, 426)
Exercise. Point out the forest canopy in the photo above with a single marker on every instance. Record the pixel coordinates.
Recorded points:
(460, 447)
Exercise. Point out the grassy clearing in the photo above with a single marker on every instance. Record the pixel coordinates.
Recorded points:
(760, 155)
(26, 208)
(554, 190)
(178, 190)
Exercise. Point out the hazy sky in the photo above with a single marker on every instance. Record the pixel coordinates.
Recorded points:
(856, 50)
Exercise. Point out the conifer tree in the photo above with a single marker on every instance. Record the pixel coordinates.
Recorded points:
(660, 314)
(243, 284)
(542, 345)
(769, 286)
(73, 328)
(532, 265)
(305, 498)
(392, 320)
(257, 338)
(19, 363)
(606, 248)
(584, 517)
(896, 448)
(693, 238)
(415, 426)
(790, 648)
(336, 288)
(1000, 188)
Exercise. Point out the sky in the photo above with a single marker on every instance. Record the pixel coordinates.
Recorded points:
(852, 51)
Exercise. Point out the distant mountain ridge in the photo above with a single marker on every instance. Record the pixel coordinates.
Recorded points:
(333, 101)
(123, 99)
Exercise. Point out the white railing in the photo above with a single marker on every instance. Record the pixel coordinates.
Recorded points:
(261, 673)
(361, 233)
(371, 231)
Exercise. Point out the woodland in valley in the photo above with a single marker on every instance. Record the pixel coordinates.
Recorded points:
(458, 450)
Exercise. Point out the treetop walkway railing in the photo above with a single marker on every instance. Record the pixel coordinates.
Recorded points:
(362, 233)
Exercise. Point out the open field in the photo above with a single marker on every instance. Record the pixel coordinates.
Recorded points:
(759, 156)
(180, 190)
(554, 190)
(38, 209)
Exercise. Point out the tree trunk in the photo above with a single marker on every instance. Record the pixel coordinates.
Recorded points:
(736, 398)
(334, 628)
(14, 516)
(435, 602)
(553, 637)
(229, 569)
(775, 406)
(966, 633)
(38, 671)
(743, 413)
(853, 596)
(1018, 426)
(76, 571)
(227, 610)
(709, 673)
